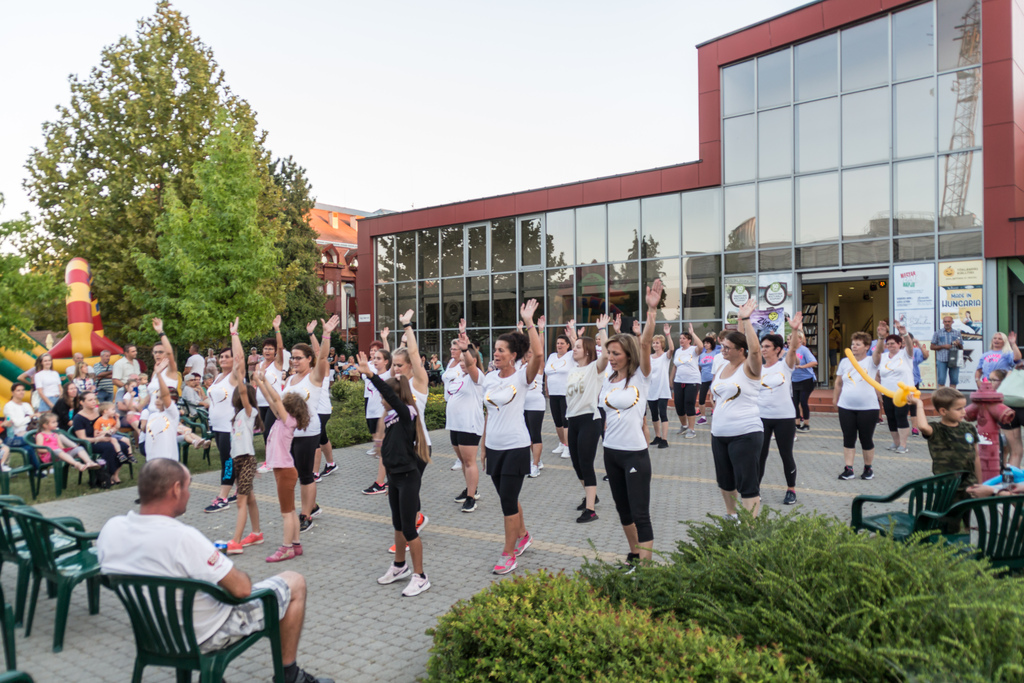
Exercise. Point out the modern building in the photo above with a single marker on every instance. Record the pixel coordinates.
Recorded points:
(859, 160)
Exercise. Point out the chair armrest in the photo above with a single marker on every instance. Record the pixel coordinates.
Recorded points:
(271, 614)
(26, 464)
(70, 522)
(86, 536)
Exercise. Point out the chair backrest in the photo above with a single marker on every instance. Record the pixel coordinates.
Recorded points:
(8, 550)
(37, 531)
(1000, 528)
(933, 494)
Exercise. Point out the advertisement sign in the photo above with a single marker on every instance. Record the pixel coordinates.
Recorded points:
(768, 321)
(913, 291)
(738, 291)
(961, 296)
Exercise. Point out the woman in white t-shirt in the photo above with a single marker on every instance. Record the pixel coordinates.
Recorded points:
(556, 374)
(686, 382)
(380, 360)
(507, 441)
(272, 364)
(626, 458)
(661, 387)
(585, 425)
(464, 412)
(162, 424)
(536, 406)
(162, 351)
(737, 431)
(895, 365)
(778, 413)
(857, 403)
(47, 381)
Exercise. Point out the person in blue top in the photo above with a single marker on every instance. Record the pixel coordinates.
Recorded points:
(1003, 354)
(804, 379)
(706, 362)
(920, 355)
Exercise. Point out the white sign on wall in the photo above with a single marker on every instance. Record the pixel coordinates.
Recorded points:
(913, 293)
(364, 317)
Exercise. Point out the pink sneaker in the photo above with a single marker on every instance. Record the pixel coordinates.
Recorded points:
(523, 543)
(506, 564)
(285, 552)
(253, 539)
(234, 548)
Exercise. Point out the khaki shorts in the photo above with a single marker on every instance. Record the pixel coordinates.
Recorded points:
(248, 618)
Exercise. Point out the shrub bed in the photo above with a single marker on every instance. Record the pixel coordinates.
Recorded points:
(348, 424)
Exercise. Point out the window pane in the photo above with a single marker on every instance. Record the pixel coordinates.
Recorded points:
(915, 118)
(866, 54)
(506, 305)
(914, 249)
(960, 181)
(960, 110)
(429, 315)
(531, 286)
(453, 306)
(405, 256)
(476, 236)
(702, 221)
(668, 271)
(775, 213)
(775, 142)
(866, 127)
(660, 221)
(386, 307)
(817, 135)
(503, 243)
(775, 259)
(960, 245)
(913, 33)
(816, 257)
(866, 202)
(623, 230)
(386, 258)
(479, 304)
(738, 88)
(560, 235)
(624, 289)
(959, 33)
(426, 250)
(914, 197)
(406, 293)
(742, 262)
(740, 224)
(773, 79)
(817, 208)
(452, 251)
(591, 234)
(591, 298)
(739, 137)
(816, 67)
(430, 343)
(702, 278)
(860, 253)
(561, 303)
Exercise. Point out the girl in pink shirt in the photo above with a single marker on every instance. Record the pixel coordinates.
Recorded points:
(50, 442)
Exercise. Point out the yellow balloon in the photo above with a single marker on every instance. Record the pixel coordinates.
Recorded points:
(899, 398)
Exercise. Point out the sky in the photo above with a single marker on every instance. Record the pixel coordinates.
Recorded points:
(401, 104)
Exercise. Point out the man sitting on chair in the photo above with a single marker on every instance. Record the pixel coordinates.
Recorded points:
(153, 543)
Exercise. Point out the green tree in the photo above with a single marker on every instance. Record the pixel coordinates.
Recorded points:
(23, 291)
(213, 259)
(304, 300)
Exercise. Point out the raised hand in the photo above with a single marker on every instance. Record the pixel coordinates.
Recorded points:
(384, 332)
(405, 318)
(747, 308)
(541, 323)
(579, 332)
(331, 324)
(617, 325)
(1012, 337)
(653, 297)
(310, 326)
(161, 366)
(527, 310)
(519, 326)
(636, 327)
(277, 322)
(259, 377)
(797, 321)
(462, 326)
(158, 325)
(364, 365)
(233, 327)
(602, 321)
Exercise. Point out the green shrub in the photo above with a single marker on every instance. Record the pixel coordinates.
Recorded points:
(542, 627)
(348, 423)
(861, 608)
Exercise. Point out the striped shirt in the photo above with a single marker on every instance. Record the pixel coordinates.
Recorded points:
(944, 338)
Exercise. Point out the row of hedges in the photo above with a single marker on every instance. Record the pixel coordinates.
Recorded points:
(348, 423)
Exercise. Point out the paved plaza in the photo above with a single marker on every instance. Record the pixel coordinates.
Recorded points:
(358, 631)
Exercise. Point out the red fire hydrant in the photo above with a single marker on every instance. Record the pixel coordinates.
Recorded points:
(988, 411)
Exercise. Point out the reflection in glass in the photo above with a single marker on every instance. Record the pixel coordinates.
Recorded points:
(505, 303)
(624, 289)
(426, 249)
(453, 306)
(430, 343)
(961, 245)
(816, 68)
(866, 202)
(623, 230)
(561, 305)
(775, 142)
(865, 54)
(429, 315)
(406, 293)
(702, 221)
(738, 88)
(817, 135)
(738, 143)
(386, 258)
(740, 262)
(405, 256)
(591, 294)
(740, 224)
(959, 32)
(861, 253)
(817, 208)
(479, 295)
(561, 233)
(914, 195)
(668, 271)
(962, 188)
(775, 213)
(385, 315)
(866, 127)
(914, 249)
(531, 286)
(773, 79)
(960, 110)
(591, 234)
(817, 257)
(702, 277)
(660, 225)
(913, 34)
(452, 255)
(503, 243)
(915, 118)
(476, 251)
(774, 259)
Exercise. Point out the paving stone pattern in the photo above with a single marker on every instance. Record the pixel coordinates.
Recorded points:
(358, 631)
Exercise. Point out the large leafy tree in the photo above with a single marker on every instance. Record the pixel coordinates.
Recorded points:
(305, 299)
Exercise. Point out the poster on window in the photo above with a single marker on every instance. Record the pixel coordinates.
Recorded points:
(961, 296)
(913, 292)
(738, 290)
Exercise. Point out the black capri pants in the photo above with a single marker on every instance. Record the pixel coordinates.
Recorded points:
(785, 432)
(558, 410)
(801, 398)
(534, 421)
(736, 462)
(659, 410)
(704, 388)
(269, 418)
(629, 477)
(371, 425)
(324, 439)
(686, 398)
(404, 499)
(507, 469)
(858, 423)
(303, 452)
(898, 418)
(227, 469)
(584, 431)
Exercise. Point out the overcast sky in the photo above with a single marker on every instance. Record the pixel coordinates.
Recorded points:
(409, 104)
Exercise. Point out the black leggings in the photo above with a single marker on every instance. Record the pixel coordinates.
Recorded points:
(785, 431)
(659, 410)
(860, 423)
(324, 439)
(404, 498)
(704, 388)
(629, 477)
(227, 467)
(534, 422)
(801, 398)
(269, 418)
(686, 398)
(736, 462)
(508, 487)
(896, 417)
(303, 452)
(913, 406)
(584, 431)
(507, 470)
(558, 410)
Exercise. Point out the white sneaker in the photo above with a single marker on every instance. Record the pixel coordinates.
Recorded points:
(690, 434)
(540, 465)
(5, 468)
(372, 451)
(395, 574)
(560, 448)
(534, 471)
(565, 453)
(457, 465)
(263, 469)
(416, 586)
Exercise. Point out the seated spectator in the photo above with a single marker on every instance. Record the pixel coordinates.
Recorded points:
(194, 395)
(129, 407)
(208, 381)
(154, 543)
(435, 364)
(113, 452)
(65, 406)
(109, 424)
(17, 416)
(61, 446)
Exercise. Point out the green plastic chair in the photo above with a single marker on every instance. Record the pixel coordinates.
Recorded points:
(997, 521)
(198, 427)
(26, 466)
(160, 610)
(65, 570)
(87, 445)
(931, 494)
(15, 677)
(60, 468)
(7, 633)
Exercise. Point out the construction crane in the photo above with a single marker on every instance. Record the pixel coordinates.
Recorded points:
(967, 86)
